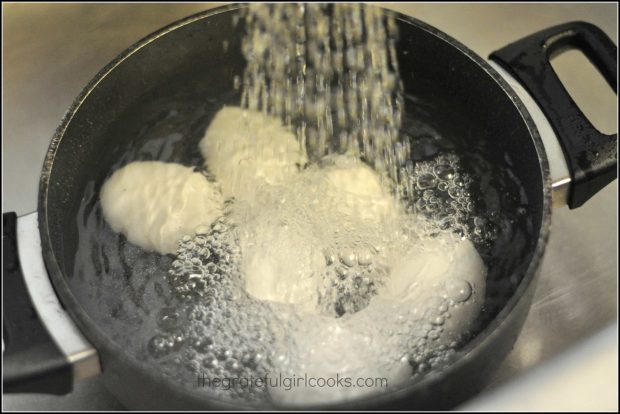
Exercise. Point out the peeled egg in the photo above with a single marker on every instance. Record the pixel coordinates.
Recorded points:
(247, 149)
(154, 204)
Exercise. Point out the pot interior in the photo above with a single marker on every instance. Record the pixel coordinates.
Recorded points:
(155, 105)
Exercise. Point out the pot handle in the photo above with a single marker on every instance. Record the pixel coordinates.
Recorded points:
(35, 358)
(591, 155)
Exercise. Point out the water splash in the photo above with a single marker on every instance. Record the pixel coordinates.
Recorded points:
(330, 73)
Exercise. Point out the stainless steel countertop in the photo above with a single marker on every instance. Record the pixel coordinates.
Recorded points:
(52, 50)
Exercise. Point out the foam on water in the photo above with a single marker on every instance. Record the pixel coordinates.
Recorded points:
(326, 261)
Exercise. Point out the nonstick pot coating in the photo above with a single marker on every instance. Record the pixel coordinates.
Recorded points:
(187, 66)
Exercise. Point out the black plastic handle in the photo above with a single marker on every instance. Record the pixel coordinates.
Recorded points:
(32, 362)
(590, 154)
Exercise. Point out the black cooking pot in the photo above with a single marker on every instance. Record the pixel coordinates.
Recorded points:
(512, 115)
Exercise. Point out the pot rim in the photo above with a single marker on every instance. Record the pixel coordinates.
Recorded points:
(101, 341)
